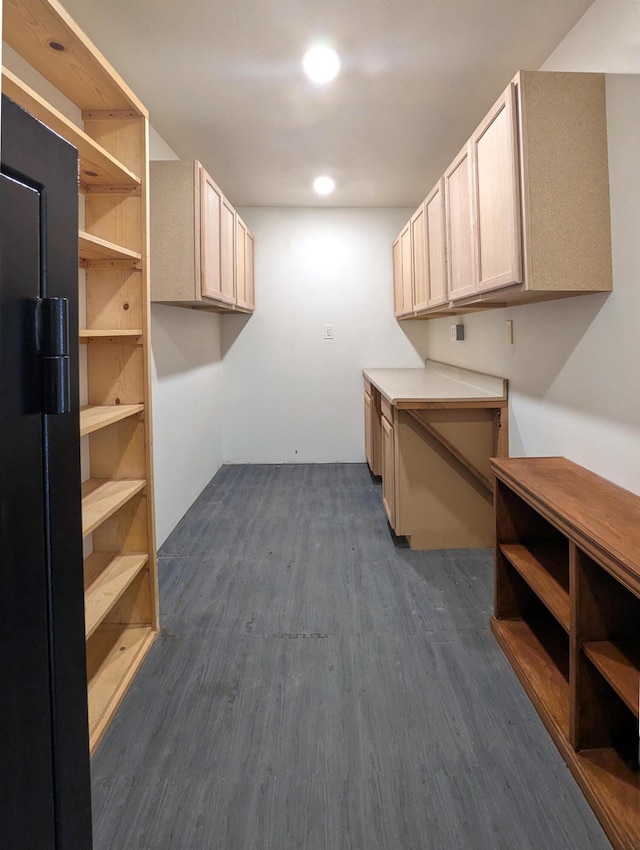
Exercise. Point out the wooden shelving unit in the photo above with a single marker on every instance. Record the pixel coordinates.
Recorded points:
(121, 599)
(567, 615)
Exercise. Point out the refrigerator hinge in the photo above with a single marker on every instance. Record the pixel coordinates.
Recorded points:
(52, 335)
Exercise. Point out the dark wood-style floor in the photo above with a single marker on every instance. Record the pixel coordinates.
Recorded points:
(317, 685)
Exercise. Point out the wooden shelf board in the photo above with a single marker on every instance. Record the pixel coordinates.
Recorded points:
(114, 655)
(619, 663)
(79, 70)
(543, 569)
(133, 335)
(93, 417)
(538, 672)
(102, 498)
(106, 577)
(97, 166)
(94, 248)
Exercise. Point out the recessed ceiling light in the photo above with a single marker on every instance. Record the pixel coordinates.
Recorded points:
(321, 63)
(324, 185)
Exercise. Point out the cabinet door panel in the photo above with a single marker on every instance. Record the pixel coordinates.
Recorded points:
(241, 244)
(368, 433)
(227, 251)
(210, 200)
(388, 471)
(419, 259)
(459, 201)
(497, 196)
(397, 277)
(407, 269)
(436, 262)
(250, 293)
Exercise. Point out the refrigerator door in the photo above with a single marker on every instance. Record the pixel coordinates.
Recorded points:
(44, 756)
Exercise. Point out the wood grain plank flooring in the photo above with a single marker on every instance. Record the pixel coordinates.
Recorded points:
(318, 685)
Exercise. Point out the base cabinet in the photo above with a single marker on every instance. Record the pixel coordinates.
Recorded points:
(567, 616)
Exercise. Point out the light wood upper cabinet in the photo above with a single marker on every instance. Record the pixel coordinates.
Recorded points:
(460, 218)
(419, 259)
(436, 252)
(193, 241)
(496, 179)
(526, 201)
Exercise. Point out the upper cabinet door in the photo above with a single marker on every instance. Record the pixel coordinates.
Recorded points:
(407, 269)
(436, 251)
(227, 251)
(419, 259)
(459, 200)
(210, 203)
(241, 243)
(497, 196)
(244, 266)
(397, 277)
(249, 284)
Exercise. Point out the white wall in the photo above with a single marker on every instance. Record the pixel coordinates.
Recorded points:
(187, 399)
(573, 369)
(289, 394)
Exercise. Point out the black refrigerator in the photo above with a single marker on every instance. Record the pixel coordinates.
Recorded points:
(45, 800)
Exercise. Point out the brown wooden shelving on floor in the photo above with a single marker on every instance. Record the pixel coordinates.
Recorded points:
(570, 540)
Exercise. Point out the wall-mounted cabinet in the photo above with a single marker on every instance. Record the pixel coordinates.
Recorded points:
(120, 575)
(527, 200)
(202, 250)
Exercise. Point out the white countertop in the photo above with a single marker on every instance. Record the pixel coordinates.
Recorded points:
(436, 382)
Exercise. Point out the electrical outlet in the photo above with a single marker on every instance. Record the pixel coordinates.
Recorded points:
(457, 332)
(508, 331)
(328, 331)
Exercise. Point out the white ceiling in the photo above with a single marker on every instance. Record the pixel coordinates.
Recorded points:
(223, 83)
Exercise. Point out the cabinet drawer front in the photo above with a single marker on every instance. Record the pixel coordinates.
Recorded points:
(387, 409)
